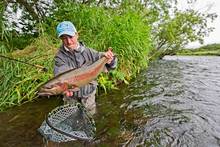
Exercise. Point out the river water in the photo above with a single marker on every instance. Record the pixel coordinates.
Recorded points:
(175, 102)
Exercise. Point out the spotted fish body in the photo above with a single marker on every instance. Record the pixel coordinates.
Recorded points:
(73, 79)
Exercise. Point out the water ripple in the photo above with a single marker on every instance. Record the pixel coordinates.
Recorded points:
(181, 98)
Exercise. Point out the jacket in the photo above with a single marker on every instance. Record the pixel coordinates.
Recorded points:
(82, 56)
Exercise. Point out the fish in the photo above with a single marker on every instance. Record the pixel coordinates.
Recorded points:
(73, 79)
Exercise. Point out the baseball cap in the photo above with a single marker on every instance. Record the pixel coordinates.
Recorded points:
(67, 28)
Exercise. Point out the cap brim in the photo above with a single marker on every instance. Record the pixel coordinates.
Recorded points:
(66, 33)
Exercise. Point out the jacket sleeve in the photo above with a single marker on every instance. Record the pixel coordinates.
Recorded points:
(113, 64)
(59, 66)
(97, 55)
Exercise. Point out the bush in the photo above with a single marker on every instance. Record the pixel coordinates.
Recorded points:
(123, 29)
(19, 82)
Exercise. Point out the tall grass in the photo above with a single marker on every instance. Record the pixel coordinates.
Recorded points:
(122, 29)
(19, 82)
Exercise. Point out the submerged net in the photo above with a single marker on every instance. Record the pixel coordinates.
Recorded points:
(68, 123)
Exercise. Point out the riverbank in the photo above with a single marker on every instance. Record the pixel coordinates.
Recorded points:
(207, 50)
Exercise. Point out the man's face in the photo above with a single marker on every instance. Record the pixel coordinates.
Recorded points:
(70, 41)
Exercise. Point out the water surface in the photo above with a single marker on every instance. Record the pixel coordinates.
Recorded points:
(175, 102)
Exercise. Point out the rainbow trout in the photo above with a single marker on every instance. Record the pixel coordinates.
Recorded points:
(73, 79)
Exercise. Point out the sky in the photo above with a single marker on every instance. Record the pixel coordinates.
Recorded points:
(206, 6)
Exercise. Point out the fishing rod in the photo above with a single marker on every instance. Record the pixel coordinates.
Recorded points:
(34, 65)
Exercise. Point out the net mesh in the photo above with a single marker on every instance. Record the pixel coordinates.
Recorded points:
(68, 123)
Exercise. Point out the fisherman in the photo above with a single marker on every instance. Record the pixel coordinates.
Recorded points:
(74, 54)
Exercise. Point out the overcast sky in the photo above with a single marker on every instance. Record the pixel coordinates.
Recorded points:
(204, 6)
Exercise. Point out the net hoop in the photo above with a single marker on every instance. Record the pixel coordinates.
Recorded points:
(68, 123)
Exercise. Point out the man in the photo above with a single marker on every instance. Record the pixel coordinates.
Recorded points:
(73, 54)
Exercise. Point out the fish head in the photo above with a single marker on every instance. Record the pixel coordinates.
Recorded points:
(55, 89)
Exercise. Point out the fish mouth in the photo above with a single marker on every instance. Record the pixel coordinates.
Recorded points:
(48, 91)
(45, 94)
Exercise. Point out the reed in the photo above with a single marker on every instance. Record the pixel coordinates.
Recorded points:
(19, 82)
(122, 29)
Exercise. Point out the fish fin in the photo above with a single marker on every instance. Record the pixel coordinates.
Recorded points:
(105, 70)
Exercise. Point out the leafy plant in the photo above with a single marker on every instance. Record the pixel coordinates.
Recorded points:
(19, 82)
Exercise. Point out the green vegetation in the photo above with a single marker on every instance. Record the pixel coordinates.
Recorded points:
(137, 32)
(99, 28)
(122, 29)
(19, 82)
(207, 50)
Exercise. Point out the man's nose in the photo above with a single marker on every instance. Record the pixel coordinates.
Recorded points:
(68, 39)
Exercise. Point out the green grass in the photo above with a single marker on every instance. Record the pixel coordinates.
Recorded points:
(19, 82)
(207, 50)
(122, 29)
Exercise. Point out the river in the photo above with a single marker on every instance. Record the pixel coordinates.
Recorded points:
(175, 102)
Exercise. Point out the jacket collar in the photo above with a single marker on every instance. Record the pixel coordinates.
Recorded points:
(80, 48)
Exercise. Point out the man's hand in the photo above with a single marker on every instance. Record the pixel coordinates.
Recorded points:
(68, 93)
(109, 55)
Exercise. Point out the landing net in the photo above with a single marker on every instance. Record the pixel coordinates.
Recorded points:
(68, 123)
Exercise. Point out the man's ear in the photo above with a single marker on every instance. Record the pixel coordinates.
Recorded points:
(77, 35)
